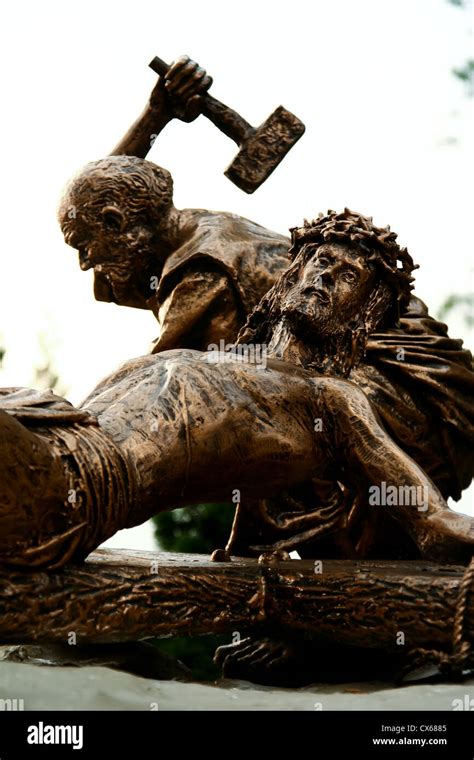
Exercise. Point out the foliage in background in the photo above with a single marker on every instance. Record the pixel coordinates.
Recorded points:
(456, 302)
(195, 652)
(198, 529)
(465, 73)
(463, 302)
(46, 376)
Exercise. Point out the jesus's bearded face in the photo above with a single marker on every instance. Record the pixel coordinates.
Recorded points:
(331, 292)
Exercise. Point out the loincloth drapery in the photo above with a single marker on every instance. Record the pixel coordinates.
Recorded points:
(100, 482)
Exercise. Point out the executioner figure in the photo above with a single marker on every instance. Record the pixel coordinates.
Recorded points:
(200, 272)
(309, 433)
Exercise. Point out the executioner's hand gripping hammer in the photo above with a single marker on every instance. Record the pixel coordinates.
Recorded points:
(261, 148)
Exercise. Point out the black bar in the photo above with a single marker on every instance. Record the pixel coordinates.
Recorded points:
(323, 734)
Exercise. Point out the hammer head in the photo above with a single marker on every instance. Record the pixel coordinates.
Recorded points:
(263, 148)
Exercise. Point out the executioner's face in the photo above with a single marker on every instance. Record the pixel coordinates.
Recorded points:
(121, 247)
(332, 288)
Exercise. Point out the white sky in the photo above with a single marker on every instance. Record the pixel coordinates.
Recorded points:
(371, 80)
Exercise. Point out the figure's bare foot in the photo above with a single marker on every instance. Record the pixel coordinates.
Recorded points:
(263, 660)
(296, 662)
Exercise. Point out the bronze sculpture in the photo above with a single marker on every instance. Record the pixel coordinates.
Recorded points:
(413, 373)
(342, 417)
(292, 427)
(347, 617)
(200, 272)
(260, 149)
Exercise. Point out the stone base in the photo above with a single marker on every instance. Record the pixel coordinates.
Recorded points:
(98, 688)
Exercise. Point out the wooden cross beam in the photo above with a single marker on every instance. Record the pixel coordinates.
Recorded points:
(123, 595)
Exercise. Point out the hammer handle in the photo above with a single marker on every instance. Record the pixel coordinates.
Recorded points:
(228, 121)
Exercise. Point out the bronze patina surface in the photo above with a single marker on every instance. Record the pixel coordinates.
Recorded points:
(200, 272)
(301, 379)
(294, 429)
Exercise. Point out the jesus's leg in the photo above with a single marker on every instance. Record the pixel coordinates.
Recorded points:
(64, 489)
(34, 528)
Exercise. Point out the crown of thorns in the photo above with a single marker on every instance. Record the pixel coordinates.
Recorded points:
(378, 243)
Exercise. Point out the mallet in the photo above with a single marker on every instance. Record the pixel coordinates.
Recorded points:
(261, 148)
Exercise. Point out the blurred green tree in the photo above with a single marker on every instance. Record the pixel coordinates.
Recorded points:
(456, 302)
(200, 528)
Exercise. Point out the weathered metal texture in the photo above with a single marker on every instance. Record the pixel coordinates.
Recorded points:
(367, 604)
(261, 148)
(264, 148)
(127, 595)
(283, 427)
(119, 595)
